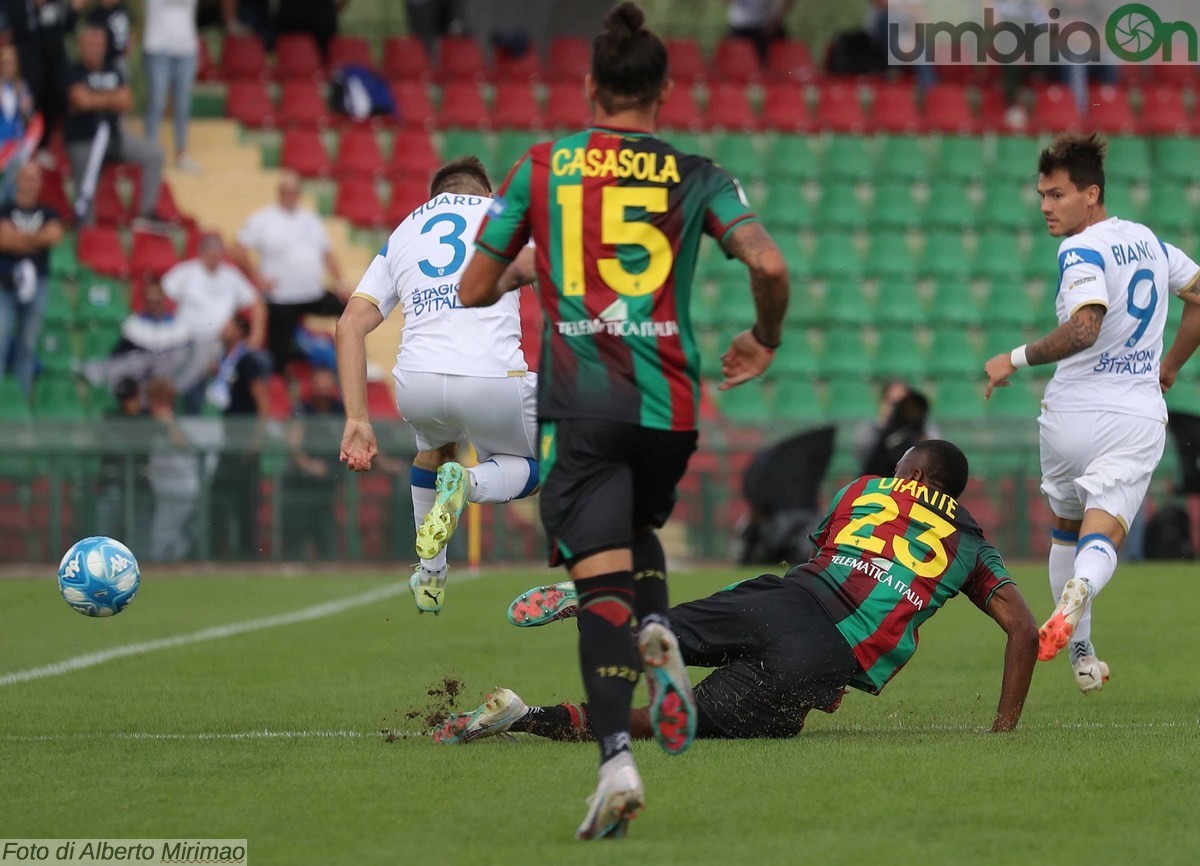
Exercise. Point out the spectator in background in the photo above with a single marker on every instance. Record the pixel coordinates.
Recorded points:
(28, 229)
(760, 21)
(293, 255)
(318, 18)
(16, 102)
(238, 16)
(208, 293)
(171, 49)
(97, 96)
(39, 29)
(902, 422)
(430, 20)
(113, 16)
(240, 392)
(173, 475)
(311, 483)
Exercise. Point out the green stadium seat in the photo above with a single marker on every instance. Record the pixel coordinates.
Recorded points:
(846, 304)
(464, 142)
(894, 207)
(1128, 160)
(797, 399)
(847, 158)
(901, 156)
(890, 258)
(1016, 159)
(13, 405)
(837, 256)
(954, 303)
(99, 340)
(1020, 400)
(1170, 207)
(945, 256)
(959, 399)
(1120, 202)
(720, 270)
(851, 398)
(749, 403)
(790, 158)
(1041, 262)
(795, 358)
(510, 147)
(954, 353)
(845, 352)
(806, 307)
(898, 303)
(841, 208)
(1176, 158)
(901, 354)
(1002, 338)
(705, 310)
(59, 397)
(1008, 304)
(958, 157)
(690, 142)
(949, 206)
(1004, 207)
(739, 155)
(63, 262)
(735, 307)
(786, 210)
(997, 257)
(796, 256)
(102, 299)
(55, 351)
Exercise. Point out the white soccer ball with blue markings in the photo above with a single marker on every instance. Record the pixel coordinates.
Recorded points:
(98, 576)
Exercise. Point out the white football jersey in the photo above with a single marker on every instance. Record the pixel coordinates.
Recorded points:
(418, 269)
(1124, 267)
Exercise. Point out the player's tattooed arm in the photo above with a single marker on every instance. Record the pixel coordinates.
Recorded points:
(1073, 336)
(750, 244)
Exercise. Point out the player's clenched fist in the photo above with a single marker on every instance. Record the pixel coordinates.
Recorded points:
(998, 370)
(358, 446)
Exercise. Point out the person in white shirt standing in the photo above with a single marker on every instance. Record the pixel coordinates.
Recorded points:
(460, 373)
(293, 255)
(1103, 421)
(170, 52)
(208, 292)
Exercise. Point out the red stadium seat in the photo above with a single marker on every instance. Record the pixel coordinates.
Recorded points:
(242, 57)
(279, 397)
(165, 207)
(413, 157)
(99, 248)
(249, 103)
(895, 109)
(736, 60)
(206, 70)
(406, 197)
(838, 108)
(302, 103)
(297, 57)
(1109, 110)
(461, 59)
(152, 254)
(110, 209)
(462, 106)
(54, 194)
(947, 110)
(405, 59)
(570, 58)
(413, 103)
(358, 154)
(1055, 109)
(523, 68)
(357, 200)
(350, 51)
(516, 107)
(566, 106)
(785, 107)
(1164, 112)
(993, 111)
(304, 153)
(381, 402)
(680, 111)
(686, 61)
(728, 108)
(1175, 74)
(790, 60)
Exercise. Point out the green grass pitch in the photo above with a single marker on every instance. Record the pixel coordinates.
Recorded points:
(170, 742)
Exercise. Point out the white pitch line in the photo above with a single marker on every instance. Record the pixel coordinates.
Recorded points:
(316, 611)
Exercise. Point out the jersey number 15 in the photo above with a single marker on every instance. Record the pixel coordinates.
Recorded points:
(615, 229)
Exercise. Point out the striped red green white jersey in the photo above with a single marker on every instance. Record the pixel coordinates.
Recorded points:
(616, 218)
(890, 553)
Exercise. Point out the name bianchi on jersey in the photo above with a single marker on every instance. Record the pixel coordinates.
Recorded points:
(882, 575)
(588, 327)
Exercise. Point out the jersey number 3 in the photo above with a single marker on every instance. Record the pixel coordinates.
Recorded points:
(452, 238)
(615, 229)
(885, 509)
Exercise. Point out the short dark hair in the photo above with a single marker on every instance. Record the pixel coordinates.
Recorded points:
(629, 62)
(452, 174)
(945, 465)
(1081, 155)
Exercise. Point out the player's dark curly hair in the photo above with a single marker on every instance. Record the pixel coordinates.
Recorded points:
(946, 466)
(1081, 155)
(629, 62)
(450, 177)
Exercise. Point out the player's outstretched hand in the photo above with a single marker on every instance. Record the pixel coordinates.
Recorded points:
(998, 371)
(743, 360)
(358, 445)
(1166, 378)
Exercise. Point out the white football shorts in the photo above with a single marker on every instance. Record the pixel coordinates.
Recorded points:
(1098, 460)
(498, 416)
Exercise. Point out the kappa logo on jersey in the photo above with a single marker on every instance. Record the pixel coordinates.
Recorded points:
(1072, 258)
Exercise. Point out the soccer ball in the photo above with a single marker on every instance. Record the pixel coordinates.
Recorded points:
(98, 576)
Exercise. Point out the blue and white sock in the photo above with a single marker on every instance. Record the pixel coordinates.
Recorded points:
(424, 482)
(503, 478)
